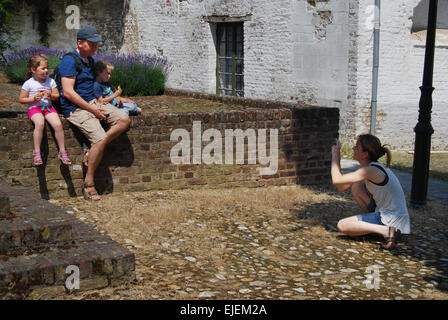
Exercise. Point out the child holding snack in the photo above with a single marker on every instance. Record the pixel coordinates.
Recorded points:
(106, 93)
(37, 92)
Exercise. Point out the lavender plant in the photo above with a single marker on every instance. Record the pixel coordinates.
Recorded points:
(138, 75)
(15, 66)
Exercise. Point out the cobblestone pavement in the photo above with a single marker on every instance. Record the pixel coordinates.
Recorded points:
(263, 243)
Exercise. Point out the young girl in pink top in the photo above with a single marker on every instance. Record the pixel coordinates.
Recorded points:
(37, 92)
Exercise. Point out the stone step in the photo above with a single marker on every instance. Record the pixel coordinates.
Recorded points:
(29, 222)
(101, 262)
(40, 269)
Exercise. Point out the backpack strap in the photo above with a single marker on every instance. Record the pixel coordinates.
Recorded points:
(78, 66)
(78, 61)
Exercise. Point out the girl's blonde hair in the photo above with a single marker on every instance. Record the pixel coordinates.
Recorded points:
(34, 62)
(373, 146)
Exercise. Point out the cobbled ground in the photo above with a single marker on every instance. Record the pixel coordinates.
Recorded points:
(263, 243)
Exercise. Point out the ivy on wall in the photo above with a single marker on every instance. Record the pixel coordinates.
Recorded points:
(44, 18)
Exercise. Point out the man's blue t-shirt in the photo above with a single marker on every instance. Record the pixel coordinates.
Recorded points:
(103, 89)
(84, 81)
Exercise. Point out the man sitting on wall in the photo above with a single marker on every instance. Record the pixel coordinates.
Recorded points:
(80, 107)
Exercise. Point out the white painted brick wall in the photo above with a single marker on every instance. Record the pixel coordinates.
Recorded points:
(400, 76)
(178, 30)
(283, 58)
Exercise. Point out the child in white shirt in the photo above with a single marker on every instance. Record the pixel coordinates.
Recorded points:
(37, 92)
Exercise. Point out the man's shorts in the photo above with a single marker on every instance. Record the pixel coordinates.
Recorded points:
(90, 125)
(47, 110)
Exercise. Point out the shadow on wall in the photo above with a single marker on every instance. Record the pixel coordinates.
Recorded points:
(118, 153)
(310, 145)
(40, 170)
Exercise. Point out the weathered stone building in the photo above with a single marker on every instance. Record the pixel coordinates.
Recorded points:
(316, 51)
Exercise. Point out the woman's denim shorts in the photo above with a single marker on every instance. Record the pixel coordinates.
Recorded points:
(372, 217)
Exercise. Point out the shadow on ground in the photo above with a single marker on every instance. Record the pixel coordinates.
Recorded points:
(427, 243)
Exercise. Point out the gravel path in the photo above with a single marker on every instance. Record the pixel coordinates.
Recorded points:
(263, 243)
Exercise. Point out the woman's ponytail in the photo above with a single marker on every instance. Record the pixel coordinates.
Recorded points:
(386, 152)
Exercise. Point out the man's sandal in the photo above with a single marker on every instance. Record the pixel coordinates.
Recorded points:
(391, 241)
(90, 195)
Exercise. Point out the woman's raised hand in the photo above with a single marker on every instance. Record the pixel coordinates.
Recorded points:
(336, 147)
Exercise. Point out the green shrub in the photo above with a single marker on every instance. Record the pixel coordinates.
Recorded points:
(137, 75)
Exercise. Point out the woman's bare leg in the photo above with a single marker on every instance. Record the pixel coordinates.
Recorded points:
(361, 195)
(352, 226)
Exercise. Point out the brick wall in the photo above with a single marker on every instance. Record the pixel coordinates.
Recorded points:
(140, 160)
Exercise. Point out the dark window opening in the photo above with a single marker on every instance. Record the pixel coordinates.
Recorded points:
(230, 59)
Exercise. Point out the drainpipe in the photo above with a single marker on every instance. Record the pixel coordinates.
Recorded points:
(376, 55)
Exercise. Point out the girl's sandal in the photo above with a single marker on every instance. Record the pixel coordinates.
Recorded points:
(90, 195)
(391, 241)
(37, 159)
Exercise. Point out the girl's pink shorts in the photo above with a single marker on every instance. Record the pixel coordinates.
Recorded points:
(34, 110)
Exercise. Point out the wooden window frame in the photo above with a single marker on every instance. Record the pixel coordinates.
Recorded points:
(219, 29)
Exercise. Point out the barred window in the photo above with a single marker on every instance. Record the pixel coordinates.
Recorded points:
(230, 59)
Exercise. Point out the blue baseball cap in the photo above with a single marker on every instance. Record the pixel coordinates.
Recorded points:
(89, 33)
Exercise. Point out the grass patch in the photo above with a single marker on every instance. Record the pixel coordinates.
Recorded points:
(438, 164)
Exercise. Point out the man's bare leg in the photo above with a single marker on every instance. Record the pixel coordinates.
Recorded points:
(114, 131)
(95, 155)
(96, 152)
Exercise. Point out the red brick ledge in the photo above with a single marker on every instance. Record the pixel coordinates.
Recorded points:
(243, 101)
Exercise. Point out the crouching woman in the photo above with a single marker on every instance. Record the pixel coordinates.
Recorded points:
(375, 189)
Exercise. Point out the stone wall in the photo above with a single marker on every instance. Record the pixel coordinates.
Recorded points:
(293, 50)
(140, 159)
(108, 17)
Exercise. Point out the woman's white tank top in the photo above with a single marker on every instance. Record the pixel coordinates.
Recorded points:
(390, 200)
